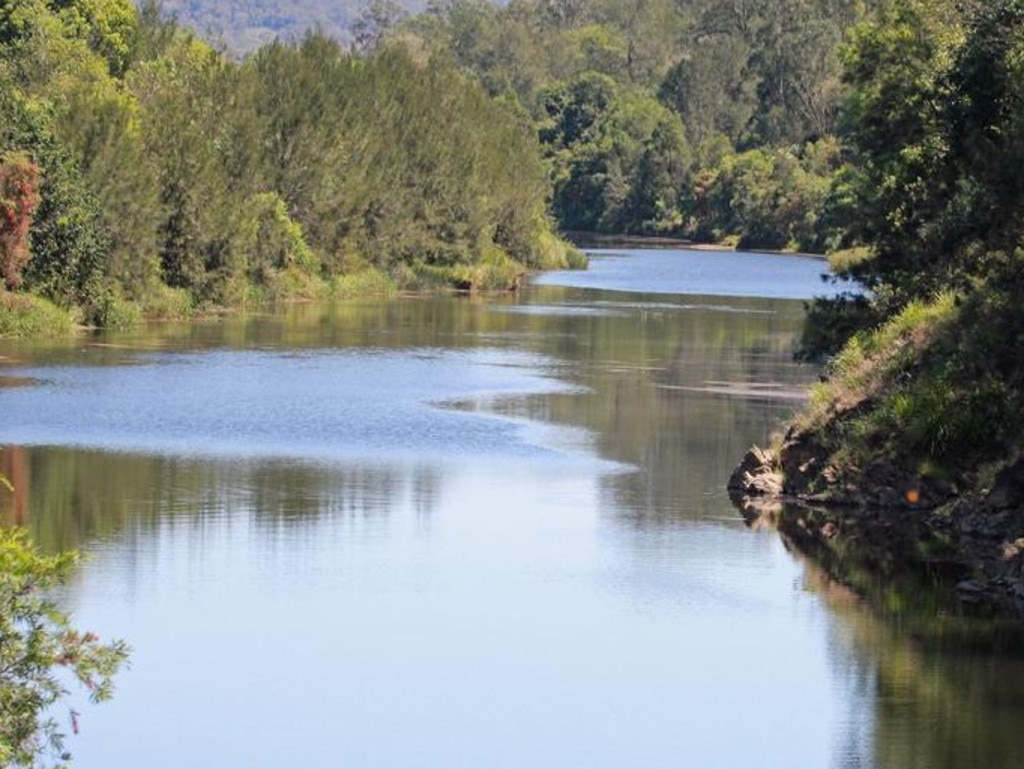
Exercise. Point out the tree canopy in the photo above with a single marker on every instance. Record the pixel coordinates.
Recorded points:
(930, 378)
(169, 176)
(641, 104)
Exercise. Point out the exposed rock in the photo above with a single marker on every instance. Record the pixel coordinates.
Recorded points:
(1008, 489)
(886, 520)
(756, 475)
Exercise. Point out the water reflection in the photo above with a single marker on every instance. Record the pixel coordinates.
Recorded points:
(320, 382)
(72, 497)
(687, 271)
(539, 568)
(920, 708)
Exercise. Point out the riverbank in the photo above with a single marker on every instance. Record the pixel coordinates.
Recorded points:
(907, 461)
(584, 240)
(907, 544)
(25, 315)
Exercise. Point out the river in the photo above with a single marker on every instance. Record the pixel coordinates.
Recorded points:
(469, 532)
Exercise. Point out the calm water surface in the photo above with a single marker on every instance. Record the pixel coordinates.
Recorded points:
(454, 532)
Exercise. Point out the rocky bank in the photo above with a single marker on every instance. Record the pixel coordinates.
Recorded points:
(964, 548)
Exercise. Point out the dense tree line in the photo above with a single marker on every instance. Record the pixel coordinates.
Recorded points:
(931, 375)
(169, 176)
(163, 175)
(705, 119)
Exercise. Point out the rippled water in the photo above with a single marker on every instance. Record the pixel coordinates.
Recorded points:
(709, 273)
(467, 532)
(314, 404)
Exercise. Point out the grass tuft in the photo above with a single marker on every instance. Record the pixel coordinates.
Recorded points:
(23, 315)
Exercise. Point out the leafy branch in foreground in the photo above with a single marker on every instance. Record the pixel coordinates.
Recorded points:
(41, 654)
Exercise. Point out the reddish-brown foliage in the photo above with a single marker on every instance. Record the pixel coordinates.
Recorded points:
(19, 197)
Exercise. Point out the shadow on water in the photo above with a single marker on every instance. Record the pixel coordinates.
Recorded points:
(924, 707)
(934, 688)
(71, 497)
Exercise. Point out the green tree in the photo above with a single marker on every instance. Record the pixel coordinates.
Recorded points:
(109, 26)
(898, 66)
(651, 30)
(712, 89)
(273, 244)
(938, 383)
(37, 644)
(39, 66)
(188, 99)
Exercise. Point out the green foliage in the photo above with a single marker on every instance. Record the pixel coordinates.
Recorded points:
(553, 253)
(23, 316)
(770, 199)
(832, 322)
(66, 240)
(620, 159)
(37, 645)
(934, 119)
(101, 127)
(710, 91)
(760, 75)
(272, 242)
(110, 309)
(173, 179)
(939, 385)
(109, 26)
(933, 199)
(167, 303)
(184, 98)
(494, 272)
(884, 370)
(934, 189)
(365, 283)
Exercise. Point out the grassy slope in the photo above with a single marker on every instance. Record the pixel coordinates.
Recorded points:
(906, 466)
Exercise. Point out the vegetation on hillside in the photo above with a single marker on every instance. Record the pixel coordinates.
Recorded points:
(436, 148)
(143, 173)
(935, 382)
(701, 119)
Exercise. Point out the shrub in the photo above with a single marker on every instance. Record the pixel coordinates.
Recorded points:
(30, 316)
(37, 643)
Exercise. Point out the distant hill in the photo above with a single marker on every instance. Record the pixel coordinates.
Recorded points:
(241, 26)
